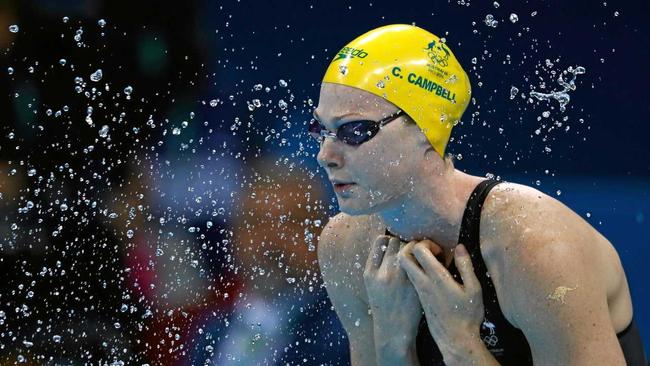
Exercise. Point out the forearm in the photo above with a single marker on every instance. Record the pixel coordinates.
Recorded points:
(473, 352)
(392, 355)
(362, 355)
(395, 349)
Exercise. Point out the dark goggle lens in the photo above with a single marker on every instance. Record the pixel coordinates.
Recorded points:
(314, 129)
(351, 133)
(356, 132)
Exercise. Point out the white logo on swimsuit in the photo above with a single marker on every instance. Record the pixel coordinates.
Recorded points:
(490, 339)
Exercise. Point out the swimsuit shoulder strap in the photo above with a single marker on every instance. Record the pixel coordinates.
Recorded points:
(470, 238)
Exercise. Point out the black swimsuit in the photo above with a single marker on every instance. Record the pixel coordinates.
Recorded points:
(506, 343)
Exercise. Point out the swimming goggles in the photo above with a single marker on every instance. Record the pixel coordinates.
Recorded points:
(354, 132)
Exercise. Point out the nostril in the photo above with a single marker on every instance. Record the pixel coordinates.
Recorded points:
(331, 165)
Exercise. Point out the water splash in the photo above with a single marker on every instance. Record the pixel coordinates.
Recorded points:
(562, 96)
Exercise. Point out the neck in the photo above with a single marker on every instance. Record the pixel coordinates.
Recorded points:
(434, 212)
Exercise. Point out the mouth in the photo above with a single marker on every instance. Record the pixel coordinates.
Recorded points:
(340, 187)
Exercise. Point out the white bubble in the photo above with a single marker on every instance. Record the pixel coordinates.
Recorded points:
(101, 23)
(103, 132)
(283, 83)
(14, 28)
(97, 75)
(513, 92)
(128, 90)
(514, 18)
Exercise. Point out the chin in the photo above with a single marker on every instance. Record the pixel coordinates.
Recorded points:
(357, 206)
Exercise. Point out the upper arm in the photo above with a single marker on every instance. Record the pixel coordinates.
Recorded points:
(554, 293)
(344, 286)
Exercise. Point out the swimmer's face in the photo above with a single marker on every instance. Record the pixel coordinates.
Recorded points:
(384, 168)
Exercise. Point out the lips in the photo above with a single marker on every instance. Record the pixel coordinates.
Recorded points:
(339, 187)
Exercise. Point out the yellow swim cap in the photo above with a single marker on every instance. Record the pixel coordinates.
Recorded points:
(410, 68)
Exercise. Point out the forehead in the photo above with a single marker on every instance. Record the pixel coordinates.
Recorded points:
(336, 99)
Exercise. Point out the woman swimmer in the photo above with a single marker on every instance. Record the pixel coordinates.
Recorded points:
(543, 286)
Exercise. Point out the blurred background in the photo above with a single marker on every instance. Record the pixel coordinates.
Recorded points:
(160, 201)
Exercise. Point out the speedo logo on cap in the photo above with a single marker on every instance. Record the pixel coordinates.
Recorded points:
(349, 52)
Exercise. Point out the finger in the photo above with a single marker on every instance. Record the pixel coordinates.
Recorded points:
(410, 265)
(430, 264)
(392, 250)
(466, 268)
(376, 254)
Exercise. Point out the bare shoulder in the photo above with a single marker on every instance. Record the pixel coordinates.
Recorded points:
(343, 247)
(517, 215)
(526, 232)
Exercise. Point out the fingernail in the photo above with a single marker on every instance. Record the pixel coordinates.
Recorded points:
(460, 250)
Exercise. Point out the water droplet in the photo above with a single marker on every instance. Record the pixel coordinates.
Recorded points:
(129, 234)
(282, 104)
(56, 338)
(214, 102)
(103, 132)
(78, 33)
(490, 21)
(97, 75)
(101, 23)
(128, 90)
(283, 83)
(10, 70)
(343, 69)
(14, 28)
(513, 92)
(514, 18)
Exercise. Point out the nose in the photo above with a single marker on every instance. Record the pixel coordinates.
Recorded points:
(329, 155)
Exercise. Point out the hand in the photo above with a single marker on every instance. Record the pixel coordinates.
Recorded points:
(454, 312)
(395, 306)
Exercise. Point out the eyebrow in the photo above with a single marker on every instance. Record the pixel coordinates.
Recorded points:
(338, 118)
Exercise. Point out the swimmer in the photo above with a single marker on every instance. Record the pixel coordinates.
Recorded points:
(427, 265)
